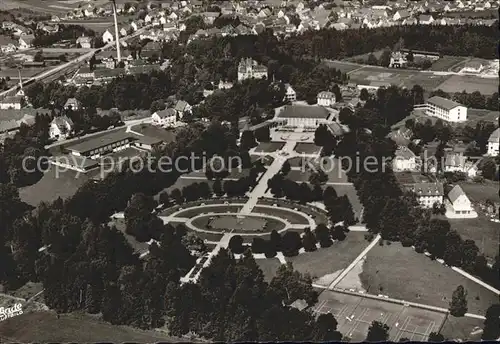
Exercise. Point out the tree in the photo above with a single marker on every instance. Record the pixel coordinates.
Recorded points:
(372, 60)
(491, 329)
(458, 303)
(259, 245)
(309, 240)
(290, 244)
(489, 169)
(286, 168)
(164, 198)
(247, 140)
(364, 95)
(436, 337)
(177, 196)
(217, 188)
(385, 58)
(38, 56)
(318, 177)
(377, 332)
(325, 329)
(291, 285)
(236, 244)
(263, 134)
(323, 235)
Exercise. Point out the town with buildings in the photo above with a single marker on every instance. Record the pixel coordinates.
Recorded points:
(249, 171)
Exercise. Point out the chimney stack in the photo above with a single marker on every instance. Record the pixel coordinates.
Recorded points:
(117, 35)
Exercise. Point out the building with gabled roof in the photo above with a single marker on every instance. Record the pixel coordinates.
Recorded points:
(493, 143)
(60, 127)
(446, 109)
(404, 160)
(427, 193)
(251, 69)
(458, 205)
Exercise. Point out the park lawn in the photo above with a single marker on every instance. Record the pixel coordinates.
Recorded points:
(269, 267)
(480, 192)
(476, 115)
(405, 274)
(329, 260)
(282, 213)
(462, 328)
(46, 327)
(221, 208)
(269, 147)
(53, 185)
(484, 232)
(307, 148)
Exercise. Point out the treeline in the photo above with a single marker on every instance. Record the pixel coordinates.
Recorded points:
(474, 100)
(66, 32)
(397, 215)
(26, 146)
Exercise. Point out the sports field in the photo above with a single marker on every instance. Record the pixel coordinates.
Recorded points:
(469, 84)
(354, 315)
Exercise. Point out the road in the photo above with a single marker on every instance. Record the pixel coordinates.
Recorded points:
(71, 63)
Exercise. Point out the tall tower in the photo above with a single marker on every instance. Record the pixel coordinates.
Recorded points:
(117, 35)
(21, 91)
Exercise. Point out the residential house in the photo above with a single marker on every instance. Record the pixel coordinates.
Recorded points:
(404, 160)
(290, 94)
(107, 37)
(457, 162)
(326, 98)
(427, 193)
(225, 85)
(473, 67)
(446, 109)
(458, 205)
(264, 13)
(166, 117)
(8, 48)
(410, 21)
(250, 69)
(401, 15)
(11, 102)
(60, 127)
(26, 41)
(73, 104)
(84, 42)
(425, 19)
(182, 108)
(493, 143)
(398, 60)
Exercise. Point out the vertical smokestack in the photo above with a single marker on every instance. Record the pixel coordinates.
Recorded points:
(117, 35)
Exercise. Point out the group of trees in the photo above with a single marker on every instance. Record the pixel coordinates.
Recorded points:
(65, 32)
(21, 157)
(474, 100)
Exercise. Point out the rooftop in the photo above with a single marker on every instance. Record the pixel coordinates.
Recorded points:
(101, 141)
(455, 193)
(427, 189)
(304, 111)
(443, 102)
(495, 136)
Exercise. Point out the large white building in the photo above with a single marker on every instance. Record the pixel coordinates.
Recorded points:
(11, 102)
(250, 69)
(326, 98)
(493, 143)
(166, 117)
(427, 193)
(446, 109)
(304, 116)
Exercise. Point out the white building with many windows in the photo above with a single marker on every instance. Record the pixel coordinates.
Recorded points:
(166, 117)
(493, 143)
(427, 193)
(290, 94)
(458, 205)
(304, 116)
(446, 109)
(326, 98)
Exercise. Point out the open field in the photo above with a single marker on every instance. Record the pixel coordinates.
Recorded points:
(398, 77)
(402, 273)
(446, 62)
(13, 73)
(355, 314)
(269, 267)
(307, 148)
(330, 261)
(481, 192)
(476, 115)
(342, 66)
(484, 232)
(469, 84)
(53, 185)
(269, 147)
(46, 327)
(462, 328)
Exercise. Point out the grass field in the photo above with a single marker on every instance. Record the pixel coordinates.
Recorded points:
(269, 267)
(342, 66)
(481, 192)
(189, 213)
(46, 327)
(246, 225)
(404, 322)
(462, 328)
(401, 273)
(484, 232)
(269, 147)
(330, 260)
(307, 148)
(53, 185)
(446, 62)
(469, 84)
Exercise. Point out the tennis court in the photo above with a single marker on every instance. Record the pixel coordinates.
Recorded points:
(354, 315)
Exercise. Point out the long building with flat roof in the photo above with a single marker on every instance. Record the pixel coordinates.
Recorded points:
(304, 116)
(446, 109)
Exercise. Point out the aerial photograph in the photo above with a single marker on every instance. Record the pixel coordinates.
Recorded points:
(194, 171)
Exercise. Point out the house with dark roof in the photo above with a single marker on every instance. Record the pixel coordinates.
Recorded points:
(446, 109)
(457, 162)
(458, 205)
(182, 108)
